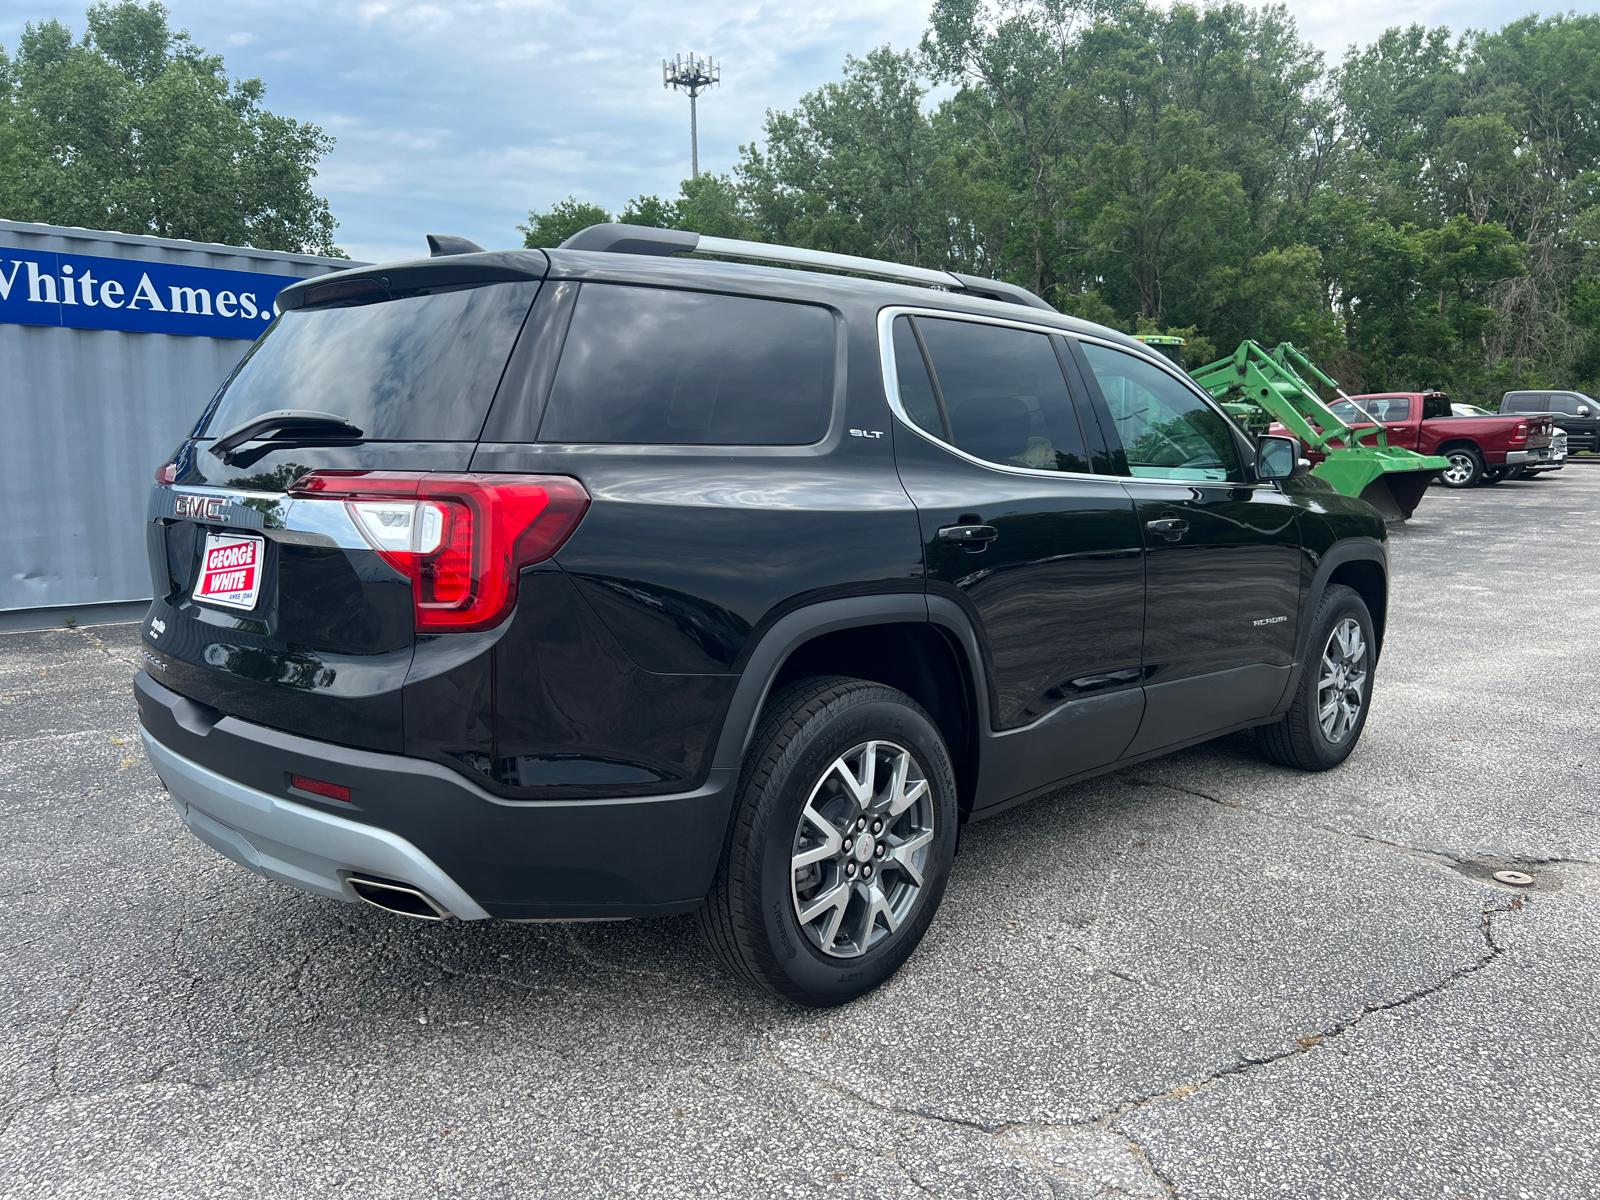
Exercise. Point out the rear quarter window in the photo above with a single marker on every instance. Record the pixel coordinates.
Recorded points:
(665, 367)
(422, 368)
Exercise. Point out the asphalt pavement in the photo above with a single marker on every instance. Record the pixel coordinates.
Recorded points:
(1202, 977)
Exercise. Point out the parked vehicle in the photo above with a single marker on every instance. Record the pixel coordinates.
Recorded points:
(1468, 410)
(1579, 414)
(595, 583)
(1479, 448)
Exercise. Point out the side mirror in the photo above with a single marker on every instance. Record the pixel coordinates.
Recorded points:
(1583, 410)
(1279, 458)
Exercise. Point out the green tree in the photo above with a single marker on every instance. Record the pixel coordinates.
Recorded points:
(565, 218)
(135, 128)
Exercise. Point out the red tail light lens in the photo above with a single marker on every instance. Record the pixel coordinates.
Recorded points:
(167, 473)
(460, 539)
(1520, 433)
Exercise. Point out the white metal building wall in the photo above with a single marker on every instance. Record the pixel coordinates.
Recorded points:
(86, 416)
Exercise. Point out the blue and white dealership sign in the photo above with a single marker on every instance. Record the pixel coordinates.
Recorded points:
(83, 291)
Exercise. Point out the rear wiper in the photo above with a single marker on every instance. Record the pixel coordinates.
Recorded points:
(288, 425)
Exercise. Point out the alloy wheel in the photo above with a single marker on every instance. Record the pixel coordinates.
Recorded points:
(1341, 687)
(1460, 469)
(862, 848)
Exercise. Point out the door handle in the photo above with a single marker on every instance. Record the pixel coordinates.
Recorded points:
(1171, 528)
(974, 539)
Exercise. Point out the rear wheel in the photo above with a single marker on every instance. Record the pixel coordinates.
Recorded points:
(839, 846)
(1331, 700)
(1465, 469)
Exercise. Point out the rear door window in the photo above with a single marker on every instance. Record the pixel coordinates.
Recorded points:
(658, 366)
(1523, 403)
(999, 392)
(418, 369)
(1167, 431)
(1384, 409)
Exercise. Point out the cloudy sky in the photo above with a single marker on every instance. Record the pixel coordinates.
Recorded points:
(457, 116)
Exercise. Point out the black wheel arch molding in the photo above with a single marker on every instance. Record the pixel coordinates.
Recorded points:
(1343, 553)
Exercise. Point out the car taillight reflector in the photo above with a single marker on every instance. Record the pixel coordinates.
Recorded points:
(167, 473)
(1520, 433)
(460, 539)
(333, 791)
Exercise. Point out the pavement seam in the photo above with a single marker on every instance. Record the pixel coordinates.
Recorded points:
(1443, 857)
(996, 1132)
(56, 1091)
(1309, 1042)
(1107, 1120)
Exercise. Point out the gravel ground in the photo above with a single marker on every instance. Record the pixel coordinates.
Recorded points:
(1200, 977)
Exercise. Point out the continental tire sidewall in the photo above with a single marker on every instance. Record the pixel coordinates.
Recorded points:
(818, 978)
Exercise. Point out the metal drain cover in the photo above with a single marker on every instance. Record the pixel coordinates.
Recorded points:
(1513, 878)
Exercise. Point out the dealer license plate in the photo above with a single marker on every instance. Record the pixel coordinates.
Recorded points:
(230, 572)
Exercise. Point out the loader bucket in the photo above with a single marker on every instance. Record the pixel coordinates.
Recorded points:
(1392, 480)
(1397, 495)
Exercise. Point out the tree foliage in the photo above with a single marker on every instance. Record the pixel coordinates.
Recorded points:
(1427, 212)
(135, 128)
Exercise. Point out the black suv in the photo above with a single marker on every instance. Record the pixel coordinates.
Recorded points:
(604, 583)
(1576, 413)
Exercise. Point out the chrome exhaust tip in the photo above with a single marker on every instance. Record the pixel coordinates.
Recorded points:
(395, 897)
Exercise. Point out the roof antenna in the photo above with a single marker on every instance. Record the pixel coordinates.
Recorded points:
(440, 244)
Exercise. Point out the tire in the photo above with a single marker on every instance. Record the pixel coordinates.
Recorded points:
(1465, 469)
(1494, 475)
(794, 801)
(1305, 738)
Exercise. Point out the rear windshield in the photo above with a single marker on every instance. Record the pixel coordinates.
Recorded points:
(423, 368)
(657, 366)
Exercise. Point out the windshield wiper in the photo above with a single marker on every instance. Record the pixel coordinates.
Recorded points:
(287, 425)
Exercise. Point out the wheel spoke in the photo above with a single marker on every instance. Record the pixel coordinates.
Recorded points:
(900, 855)
(907, 796)
(859, 785)
(835, 898)
(833, 840)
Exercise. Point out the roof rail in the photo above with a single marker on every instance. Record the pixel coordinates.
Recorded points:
(641, 239)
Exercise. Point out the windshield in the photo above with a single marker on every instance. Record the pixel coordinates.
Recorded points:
(423, 368)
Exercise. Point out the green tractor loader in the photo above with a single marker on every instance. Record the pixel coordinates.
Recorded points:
(1258, 387)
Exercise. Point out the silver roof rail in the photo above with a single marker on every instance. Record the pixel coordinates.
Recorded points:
(640, 239)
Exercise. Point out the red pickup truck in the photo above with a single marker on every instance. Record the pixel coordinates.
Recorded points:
(1480, 449)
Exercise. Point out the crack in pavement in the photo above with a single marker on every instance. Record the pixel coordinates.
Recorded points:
(56, 1091)
(1107, 1120)
(1444, 857)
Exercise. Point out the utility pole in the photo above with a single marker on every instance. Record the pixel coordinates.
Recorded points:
(692, 75)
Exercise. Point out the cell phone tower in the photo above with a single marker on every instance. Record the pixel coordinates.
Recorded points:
(693, 75)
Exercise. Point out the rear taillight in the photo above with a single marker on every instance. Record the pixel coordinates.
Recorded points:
(167, 473)
(460, 539)
(1520, 433)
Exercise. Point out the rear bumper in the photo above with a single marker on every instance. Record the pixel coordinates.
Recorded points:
(1524, 458)
(294, 843)
(416, 822)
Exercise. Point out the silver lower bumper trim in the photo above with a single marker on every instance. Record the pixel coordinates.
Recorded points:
(294, 843)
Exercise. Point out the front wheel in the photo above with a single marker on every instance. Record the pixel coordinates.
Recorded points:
(840, 843)
(1331, 700)
(1465, 469)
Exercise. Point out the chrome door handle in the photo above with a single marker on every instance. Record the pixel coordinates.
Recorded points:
(1171, 528)
(974, 539)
